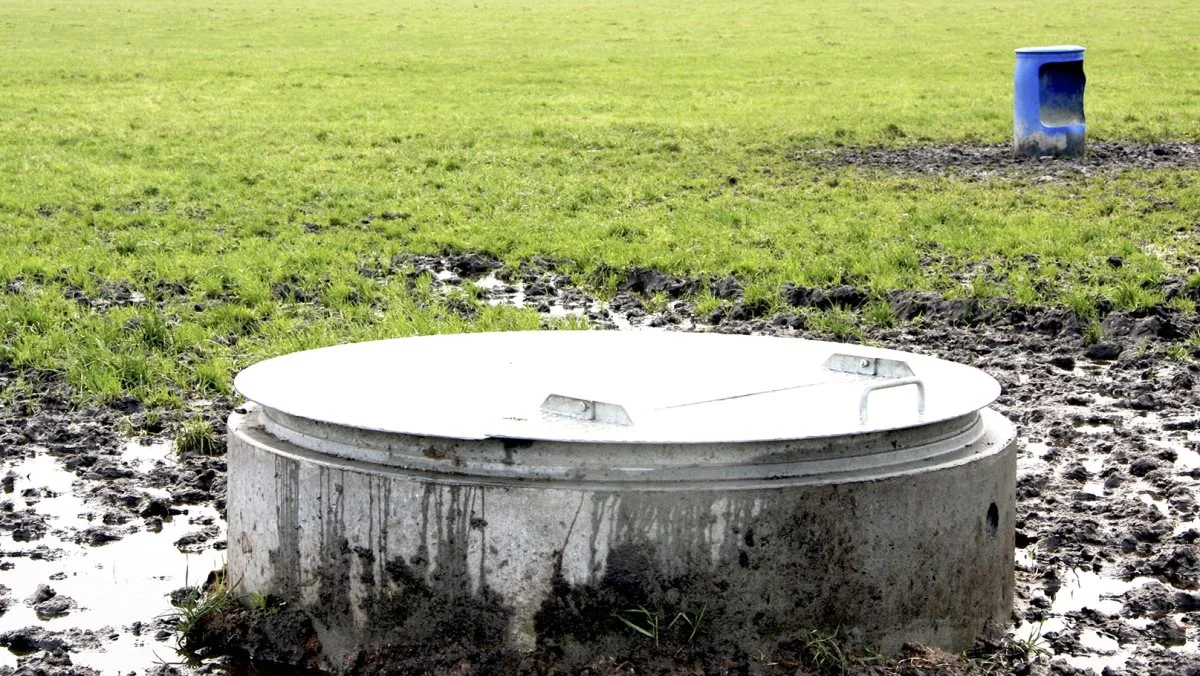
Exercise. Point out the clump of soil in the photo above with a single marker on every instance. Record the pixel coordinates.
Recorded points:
(270, 635)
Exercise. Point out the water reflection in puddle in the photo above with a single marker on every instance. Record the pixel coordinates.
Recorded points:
(513, 295)
(1153, 500)
(1081, 589)
(1107, 652)
(1037, 449)
(114, 585)
(1186, 459)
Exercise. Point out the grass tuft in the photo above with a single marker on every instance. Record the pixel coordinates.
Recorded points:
(196, 438)
(198, 607)
(822, 650)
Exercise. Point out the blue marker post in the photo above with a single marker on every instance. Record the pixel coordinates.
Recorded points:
(1048, 101)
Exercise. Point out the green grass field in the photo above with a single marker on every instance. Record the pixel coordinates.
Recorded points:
(220, 149)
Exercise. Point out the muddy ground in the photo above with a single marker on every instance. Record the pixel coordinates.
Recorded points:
(986, 161)
(102, 525)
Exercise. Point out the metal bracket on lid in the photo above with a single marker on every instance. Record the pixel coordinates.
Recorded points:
(868, 366)
(897, 374)
(883, 385)
(586, 409)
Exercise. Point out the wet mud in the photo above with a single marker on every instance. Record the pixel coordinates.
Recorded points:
(96, 530)
(984, 161)
(100, 521)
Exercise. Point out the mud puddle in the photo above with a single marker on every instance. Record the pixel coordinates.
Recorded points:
(90, 581)
(557, 297)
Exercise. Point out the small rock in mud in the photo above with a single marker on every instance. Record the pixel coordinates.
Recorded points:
(846, 296)
(107, 470)
(840, 296)
(1077, 472)
(471, 265)
(1144, 402)
(1153, 599)
(1150, 327)
(649, 282)
(31, 639)
(114, 518)
(1103, 351)
(1180, 566)
(55, 607)
(540, 290)
(1142, 466)
(625, 303)
(184, 595)
(1064, 362)
(43, 593)
(155, 507)
(1168, 632)
(96, 536)
(1187, 602)
(192, 541)
(727, 288)
(26, 525)
(1117, 325)
(190, 496)
(51, 663)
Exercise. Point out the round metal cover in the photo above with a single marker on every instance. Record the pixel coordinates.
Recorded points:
(619, 387)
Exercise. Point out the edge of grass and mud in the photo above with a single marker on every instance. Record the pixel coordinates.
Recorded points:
(121, 368)
(143, 300)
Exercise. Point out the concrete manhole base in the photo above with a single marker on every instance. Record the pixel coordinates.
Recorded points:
(888, 536)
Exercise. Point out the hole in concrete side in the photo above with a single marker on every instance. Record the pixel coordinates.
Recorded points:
(993, 520)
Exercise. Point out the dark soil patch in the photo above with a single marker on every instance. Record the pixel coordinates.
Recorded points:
(268, 636)
(988, 160)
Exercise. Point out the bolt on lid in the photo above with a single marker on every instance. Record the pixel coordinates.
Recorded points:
(616, 387)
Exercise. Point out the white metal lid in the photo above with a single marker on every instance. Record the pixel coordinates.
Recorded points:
(616, 387)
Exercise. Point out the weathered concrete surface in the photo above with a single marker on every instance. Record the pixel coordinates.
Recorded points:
(375, 552)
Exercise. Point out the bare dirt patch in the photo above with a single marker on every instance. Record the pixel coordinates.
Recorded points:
(984, 161)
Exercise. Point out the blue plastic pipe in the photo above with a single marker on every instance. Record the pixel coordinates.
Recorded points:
(1048, 101)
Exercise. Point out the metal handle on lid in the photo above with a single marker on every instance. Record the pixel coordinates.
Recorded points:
(586, 409)
(885, 384)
